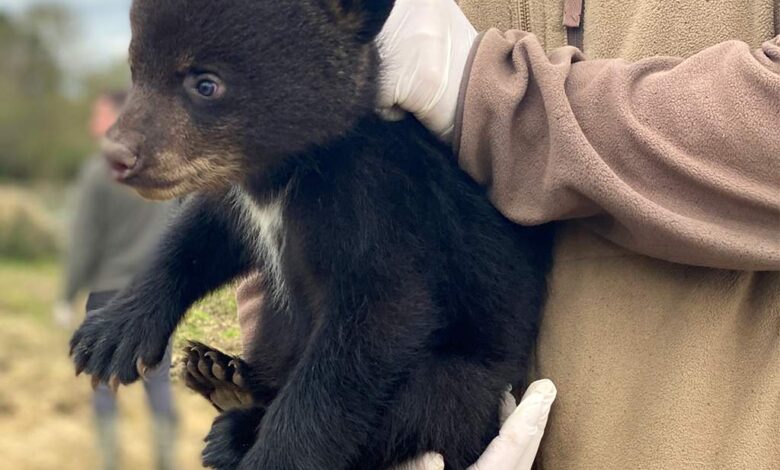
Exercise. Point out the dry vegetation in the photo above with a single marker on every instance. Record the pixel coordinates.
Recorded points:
(27, 230)
(45, 414)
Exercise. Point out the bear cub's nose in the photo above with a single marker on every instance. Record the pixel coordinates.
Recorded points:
(121, 159)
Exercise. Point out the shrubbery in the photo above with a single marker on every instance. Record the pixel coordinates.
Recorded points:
(27, 230)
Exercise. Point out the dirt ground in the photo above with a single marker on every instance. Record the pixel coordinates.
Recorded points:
(45, 414)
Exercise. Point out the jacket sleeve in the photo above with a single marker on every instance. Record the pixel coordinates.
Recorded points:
(676, 159)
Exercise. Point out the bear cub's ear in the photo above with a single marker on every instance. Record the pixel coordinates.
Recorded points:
(364, 18)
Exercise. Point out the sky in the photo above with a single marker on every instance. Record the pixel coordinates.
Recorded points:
(105, 28)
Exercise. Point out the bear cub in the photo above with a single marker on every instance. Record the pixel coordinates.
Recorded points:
(400, 304)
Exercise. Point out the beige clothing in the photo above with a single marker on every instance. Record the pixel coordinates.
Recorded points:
(673, 158)
(634, 29)
(658, 365)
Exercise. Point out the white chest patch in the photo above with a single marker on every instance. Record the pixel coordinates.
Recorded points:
(265, 234)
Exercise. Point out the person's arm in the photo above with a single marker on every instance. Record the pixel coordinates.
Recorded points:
(85, 235)
(676, 159)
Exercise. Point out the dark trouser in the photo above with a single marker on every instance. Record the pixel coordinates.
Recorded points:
(158, 393)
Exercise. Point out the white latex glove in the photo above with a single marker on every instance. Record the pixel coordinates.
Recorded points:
(424, 47)
(63, 314)
(518, 441)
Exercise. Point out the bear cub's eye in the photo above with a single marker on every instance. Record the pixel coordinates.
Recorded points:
(205, 86)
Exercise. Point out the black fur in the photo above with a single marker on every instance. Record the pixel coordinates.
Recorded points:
(409, 302)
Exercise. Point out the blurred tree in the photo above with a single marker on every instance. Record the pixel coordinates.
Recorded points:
(43, 129)
(115, 76)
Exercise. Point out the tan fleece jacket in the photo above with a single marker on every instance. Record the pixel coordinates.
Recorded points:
(658, 365)
(634, 29)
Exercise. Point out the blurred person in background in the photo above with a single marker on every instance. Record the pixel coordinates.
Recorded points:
(113, 232)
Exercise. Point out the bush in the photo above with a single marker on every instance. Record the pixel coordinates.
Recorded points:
(27, 230)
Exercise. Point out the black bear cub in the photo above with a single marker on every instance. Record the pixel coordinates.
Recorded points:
(400, 303)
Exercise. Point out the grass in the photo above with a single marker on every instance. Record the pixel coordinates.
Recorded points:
(28, 288)
(45, 413)
(212, 321)
(31, 219)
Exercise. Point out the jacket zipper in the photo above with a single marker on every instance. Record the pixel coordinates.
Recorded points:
(523, 15)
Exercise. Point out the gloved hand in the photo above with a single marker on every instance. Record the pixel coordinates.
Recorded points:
(424, 48)
(63, 314)
(518, 441)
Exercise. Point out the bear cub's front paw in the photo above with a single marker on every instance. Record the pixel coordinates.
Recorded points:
(117, 348)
